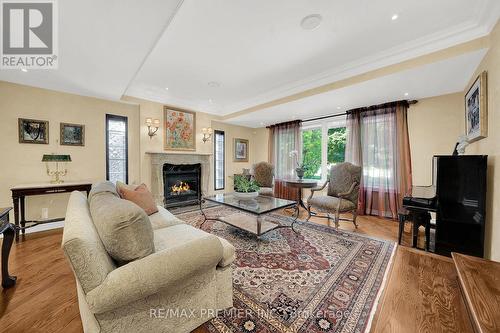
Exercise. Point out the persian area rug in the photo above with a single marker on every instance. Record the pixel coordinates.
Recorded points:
(319, 280)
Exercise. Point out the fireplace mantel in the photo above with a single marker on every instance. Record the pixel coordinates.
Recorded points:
(177, 153)
(159, 158)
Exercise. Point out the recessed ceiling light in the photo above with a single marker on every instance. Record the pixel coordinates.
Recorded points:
(24, 70)
(166, 88)
(311, 22)
(210, 101)
(406, 94)
(261, 123)
(214, 84)
(395, 17)
(338, 107)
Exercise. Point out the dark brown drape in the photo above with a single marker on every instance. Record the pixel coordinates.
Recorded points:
(378, 141)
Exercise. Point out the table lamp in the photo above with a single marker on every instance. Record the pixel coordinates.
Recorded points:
(56, 173)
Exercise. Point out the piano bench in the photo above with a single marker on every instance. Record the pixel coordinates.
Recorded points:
(418, 218)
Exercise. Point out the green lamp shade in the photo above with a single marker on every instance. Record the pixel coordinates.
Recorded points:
(56, 158)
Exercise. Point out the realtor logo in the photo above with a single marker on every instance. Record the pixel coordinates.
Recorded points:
(29, 34)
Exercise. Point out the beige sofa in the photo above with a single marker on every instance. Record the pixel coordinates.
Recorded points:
(175, 289)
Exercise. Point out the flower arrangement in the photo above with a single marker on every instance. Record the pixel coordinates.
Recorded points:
(300, 169)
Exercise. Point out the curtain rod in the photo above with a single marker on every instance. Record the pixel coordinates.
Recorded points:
(343, 114)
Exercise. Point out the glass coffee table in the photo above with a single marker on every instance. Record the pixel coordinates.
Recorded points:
(255, 222)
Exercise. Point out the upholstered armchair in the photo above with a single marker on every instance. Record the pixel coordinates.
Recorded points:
(263, 173)
(342, 194)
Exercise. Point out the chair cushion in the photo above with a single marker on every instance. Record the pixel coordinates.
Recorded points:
(266, 191)
(141, 196)
(182, 233)
(327, 203)
(163, 219)
(124, 227)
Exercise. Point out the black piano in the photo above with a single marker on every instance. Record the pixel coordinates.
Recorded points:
(458, 198)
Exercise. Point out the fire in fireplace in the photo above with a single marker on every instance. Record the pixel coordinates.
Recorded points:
(182, 184)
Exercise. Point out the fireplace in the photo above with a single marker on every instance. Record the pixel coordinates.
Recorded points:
(181, 184)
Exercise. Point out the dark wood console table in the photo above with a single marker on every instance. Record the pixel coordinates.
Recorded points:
(8, 232)
(20, 192)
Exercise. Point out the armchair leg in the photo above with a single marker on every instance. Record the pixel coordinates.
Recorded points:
(337, 218)
(354, 216)
(308, 212)
(328, 217)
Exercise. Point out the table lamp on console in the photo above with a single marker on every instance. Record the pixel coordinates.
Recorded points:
(52, 162)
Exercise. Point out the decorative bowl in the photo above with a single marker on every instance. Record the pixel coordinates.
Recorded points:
(244, 196)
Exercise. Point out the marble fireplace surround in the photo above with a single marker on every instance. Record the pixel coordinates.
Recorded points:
(158, 159)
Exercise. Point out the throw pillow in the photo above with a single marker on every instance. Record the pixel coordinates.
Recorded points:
(123, 227)
(141, 196)
(122, 186)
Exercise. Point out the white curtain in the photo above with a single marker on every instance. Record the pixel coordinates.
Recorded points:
(285, 138)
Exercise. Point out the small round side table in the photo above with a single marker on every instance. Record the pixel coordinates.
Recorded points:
(301, 184)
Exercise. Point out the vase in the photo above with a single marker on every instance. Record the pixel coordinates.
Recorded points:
(300, 172)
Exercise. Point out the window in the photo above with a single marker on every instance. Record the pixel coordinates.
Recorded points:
(116, 148)
(323, 145)
(311, 152)
(219, 160)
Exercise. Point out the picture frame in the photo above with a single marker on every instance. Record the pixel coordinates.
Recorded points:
(72, 134)
(476, 109)
(33, 131)
(179, 130)
(241, 147)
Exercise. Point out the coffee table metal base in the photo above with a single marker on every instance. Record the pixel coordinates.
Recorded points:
(256, 224)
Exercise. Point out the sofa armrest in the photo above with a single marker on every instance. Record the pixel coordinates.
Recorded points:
(148, 276)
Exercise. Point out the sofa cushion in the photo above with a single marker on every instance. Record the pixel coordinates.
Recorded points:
(123, 227)
(163, 218)
(182, 233)
(102, 187)
(141, 196)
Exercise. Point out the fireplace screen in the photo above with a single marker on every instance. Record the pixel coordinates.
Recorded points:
(182, 184)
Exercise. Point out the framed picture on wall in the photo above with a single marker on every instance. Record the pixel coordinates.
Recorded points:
(476, 109)
(72, 135)
(240, 150)
(33, 131)
(180, 129)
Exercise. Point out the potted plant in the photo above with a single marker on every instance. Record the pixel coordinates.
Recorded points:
(246, 189)
(300, 169)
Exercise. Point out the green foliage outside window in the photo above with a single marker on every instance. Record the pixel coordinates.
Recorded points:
(311, 150)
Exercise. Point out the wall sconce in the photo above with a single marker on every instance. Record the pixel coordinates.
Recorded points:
(56, 174)
(153, 126)
(207, 133)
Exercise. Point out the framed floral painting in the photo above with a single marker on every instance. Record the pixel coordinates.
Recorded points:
(476, 109)
(180, 129)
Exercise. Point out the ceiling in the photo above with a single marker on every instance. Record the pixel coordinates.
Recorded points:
(255, 51)
(102, 45)
(439, 78)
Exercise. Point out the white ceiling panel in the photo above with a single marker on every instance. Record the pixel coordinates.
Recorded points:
(440, 78)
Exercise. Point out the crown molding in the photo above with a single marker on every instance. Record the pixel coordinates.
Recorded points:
(432, 43)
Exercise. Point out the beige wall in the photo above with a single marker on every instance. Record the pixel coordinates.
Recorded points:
(257, 138)
(21, 163)
(434, 125)
(491, 145)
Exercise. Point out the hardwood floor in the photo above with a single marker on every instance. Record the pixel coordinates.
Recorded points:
(44, 298)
